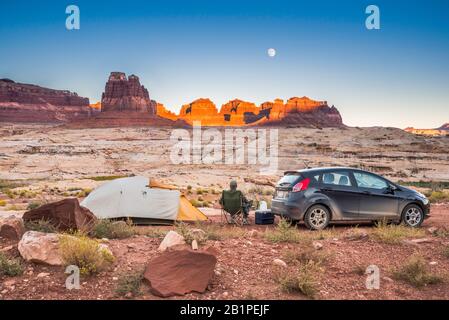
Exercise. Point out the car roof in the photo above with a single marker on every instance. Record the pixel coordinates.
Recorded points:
(323, 169)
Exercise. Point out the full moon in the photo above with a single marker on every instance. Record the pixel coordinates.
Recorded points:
(271, 52)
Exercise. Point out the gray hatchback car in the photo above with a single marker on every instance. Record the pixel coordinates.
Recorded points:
(320, 196)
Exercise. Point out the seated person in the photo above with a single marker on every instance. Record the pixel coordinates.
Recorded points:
(245, 203)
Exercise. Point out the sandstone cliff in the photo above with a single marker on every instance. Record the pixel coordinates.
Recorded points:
(21, 102)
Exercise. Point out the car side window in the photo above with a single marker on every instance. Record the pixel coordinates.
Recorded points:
(338, 178)
(366, 180)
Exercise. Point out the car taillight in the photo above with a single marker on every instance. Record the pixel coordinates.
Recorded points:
(301, 185)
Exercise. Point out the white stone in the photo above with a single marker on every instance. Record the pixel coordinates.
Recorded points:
(194, 245)
(171, 239)
(40, 247)
(317, 245)
(280, 263)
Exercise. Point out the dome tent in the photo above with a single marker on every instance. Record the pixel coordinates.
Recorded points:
(141, 199)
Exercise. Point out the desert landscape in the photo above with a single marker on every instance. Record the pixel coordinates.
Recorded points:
(56, 146)
(43, 163)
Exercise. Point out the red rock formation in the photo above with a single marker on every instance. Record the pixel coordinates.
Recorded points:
(21, 102)
(234, 111)
(203, 110)
(296, 111)
(126, 94)
(164, 113)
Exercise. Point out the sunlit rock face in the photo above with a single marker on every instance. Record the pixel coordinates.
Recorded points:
(441, 131)
(233, 112)
(203, 110)
(163, 112)
(296, 111)
(126, 94)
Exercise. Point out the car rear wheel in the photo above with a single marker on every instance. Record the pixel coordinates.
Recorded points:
(317, 217)
(412, 216)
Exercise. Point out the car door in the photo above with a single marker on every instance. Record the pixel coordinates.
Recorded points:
(339, 187)
(377, 200)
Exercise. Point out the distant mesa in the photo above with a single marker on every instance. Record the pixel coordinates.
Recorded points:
(20, 102)
(126, 94)
(441, 131)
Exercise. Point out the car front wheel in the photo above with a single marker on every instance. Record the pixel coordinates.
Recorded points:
(317, 217)
(412, 216)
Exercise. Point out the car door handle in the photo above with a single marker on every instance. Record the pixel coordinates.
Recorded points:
(367, 192)
(327, 189)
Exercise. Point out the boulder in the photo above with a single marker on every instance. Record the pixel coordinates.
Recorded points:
(172, 238)
(65, 215)
(180, 272)
(12, 228)
(40, 247)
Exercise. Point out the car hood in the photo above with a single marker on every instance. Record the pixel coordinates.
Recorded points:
(413, 192)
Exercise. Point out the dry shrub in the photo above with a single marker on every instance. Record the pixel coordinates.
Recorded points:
(415, 272)
(85, 253)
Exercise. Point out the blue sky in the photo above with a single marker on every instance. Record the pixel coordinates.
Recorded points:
(183, 50)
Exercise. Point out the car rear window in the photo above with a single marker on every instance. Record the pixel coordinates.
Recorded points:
(289, 178)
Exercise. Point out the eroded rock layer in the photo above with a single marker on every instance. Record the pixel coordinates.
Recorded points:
(21, 102)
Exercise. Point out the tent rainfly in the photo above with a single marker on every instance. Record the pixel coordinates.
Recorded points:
(140, 198)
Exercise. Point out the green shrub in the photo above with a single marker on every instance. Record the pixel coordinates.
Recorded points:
(106, 228)
(85, 253)
(302, 280)
(415, 272)
(42, 225)
(438, 196)
(3, 203)
(196, 203)
(129, 284)
(395, 234)
(284, 232)
(33, 205)
(105, 178)
(10, 267)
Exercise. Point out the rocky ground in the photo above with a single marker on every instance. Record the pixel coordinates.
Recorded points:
(42, 164)
(246, 267)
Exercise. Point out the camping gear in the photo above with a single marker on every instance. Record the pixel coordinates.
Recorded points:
(142, 199)
(263, 214)
(232, 207)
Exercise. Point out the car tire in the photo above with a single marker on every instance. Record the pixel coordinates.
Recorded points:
(317, 217)
(412, 216)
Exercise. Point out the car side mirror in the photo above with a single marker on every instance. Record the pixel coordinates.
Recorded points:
(390, 189)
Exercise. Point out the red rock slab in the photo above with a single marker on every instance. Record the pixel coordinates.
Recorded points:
(66, 214)
(180, 272)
